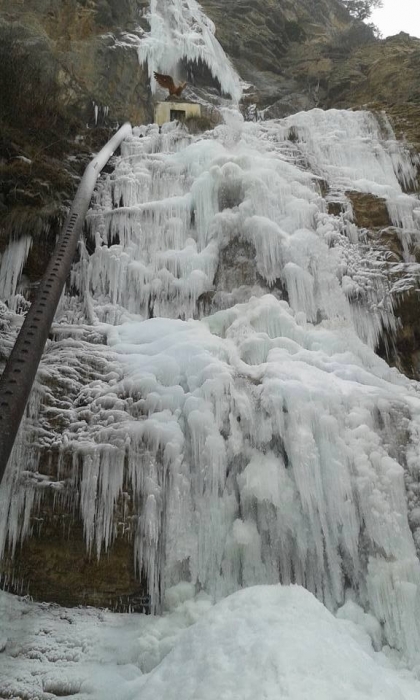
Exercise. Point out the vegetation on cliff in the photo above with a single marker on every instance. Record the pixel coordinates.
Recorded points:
(361, 9)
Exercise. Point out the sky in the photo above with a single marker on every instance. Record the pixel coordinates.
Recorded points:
(398, 16)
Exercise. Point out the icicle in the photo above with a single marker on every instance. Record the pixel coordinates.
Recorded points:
(12, 263)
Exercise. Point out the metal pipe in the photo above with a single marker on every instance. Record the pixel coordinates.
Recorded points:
(19, 373)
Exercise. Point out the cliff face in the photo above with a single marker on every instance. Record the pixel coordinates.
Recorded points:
(69, 72)
(295, 54)
(276, 46)
(70, 64)
(86, 47)
(298, 55)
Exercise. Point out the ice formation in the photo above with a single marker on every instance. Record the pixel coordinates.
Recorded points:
(262, 441)
(179, 30)
(265, 641)
(11, 265)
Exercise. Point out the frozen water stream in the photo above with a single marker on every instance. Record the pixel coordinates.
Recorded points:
(259, 438)
(179, 30)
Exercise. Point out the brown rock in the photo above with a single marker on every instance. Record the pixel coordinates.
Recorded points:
(369, 211)
(53, 566)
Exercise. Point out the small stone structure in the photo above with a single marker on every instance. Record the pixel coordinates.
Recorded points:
(171, 110)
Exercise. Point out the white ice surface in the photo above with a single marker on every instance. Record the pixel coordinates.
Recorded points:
(12, 262)
(262, 643)
(266, 441)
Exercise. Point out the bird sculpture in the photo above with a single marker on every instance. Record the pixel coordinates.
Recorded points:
(166, 81)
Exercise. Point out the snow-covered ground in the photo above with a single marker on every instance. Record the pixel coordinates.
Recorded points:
(262, 643)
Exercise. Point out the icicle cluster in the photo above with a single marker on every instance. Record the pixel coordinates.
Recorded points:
(266, 441)
(11, 265)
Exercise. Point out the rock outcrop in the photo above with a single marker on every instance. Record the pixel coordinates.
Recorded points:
(90, 48)
(69, 73)
(278, 47)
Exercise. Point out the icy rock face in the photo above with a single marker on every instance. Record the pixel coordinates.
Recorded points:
(265, 441)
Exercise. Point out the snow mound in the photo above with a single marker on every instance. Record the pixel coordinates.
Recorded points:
(272, 642)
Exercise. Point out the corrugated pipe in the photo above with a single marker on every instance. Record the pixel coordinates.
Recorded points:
(19, 374)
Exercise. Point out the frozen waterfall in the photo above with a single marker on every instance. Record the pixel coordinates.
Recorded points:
(212, 389)
(179, 30)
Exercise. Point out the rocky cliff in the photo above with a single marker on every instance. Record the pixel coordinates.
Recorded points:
(69, 72)
(70, 67)
(85, 47)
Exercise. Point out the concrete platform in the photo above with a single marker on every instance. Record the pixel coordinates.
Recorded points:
(171, 110)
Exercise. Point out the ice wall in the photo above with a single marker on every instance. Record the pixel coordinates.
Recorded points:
(265, 441)
(179, 30)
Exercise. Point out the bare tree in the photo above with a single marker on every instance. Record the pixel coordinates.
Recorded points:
(362, 9)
